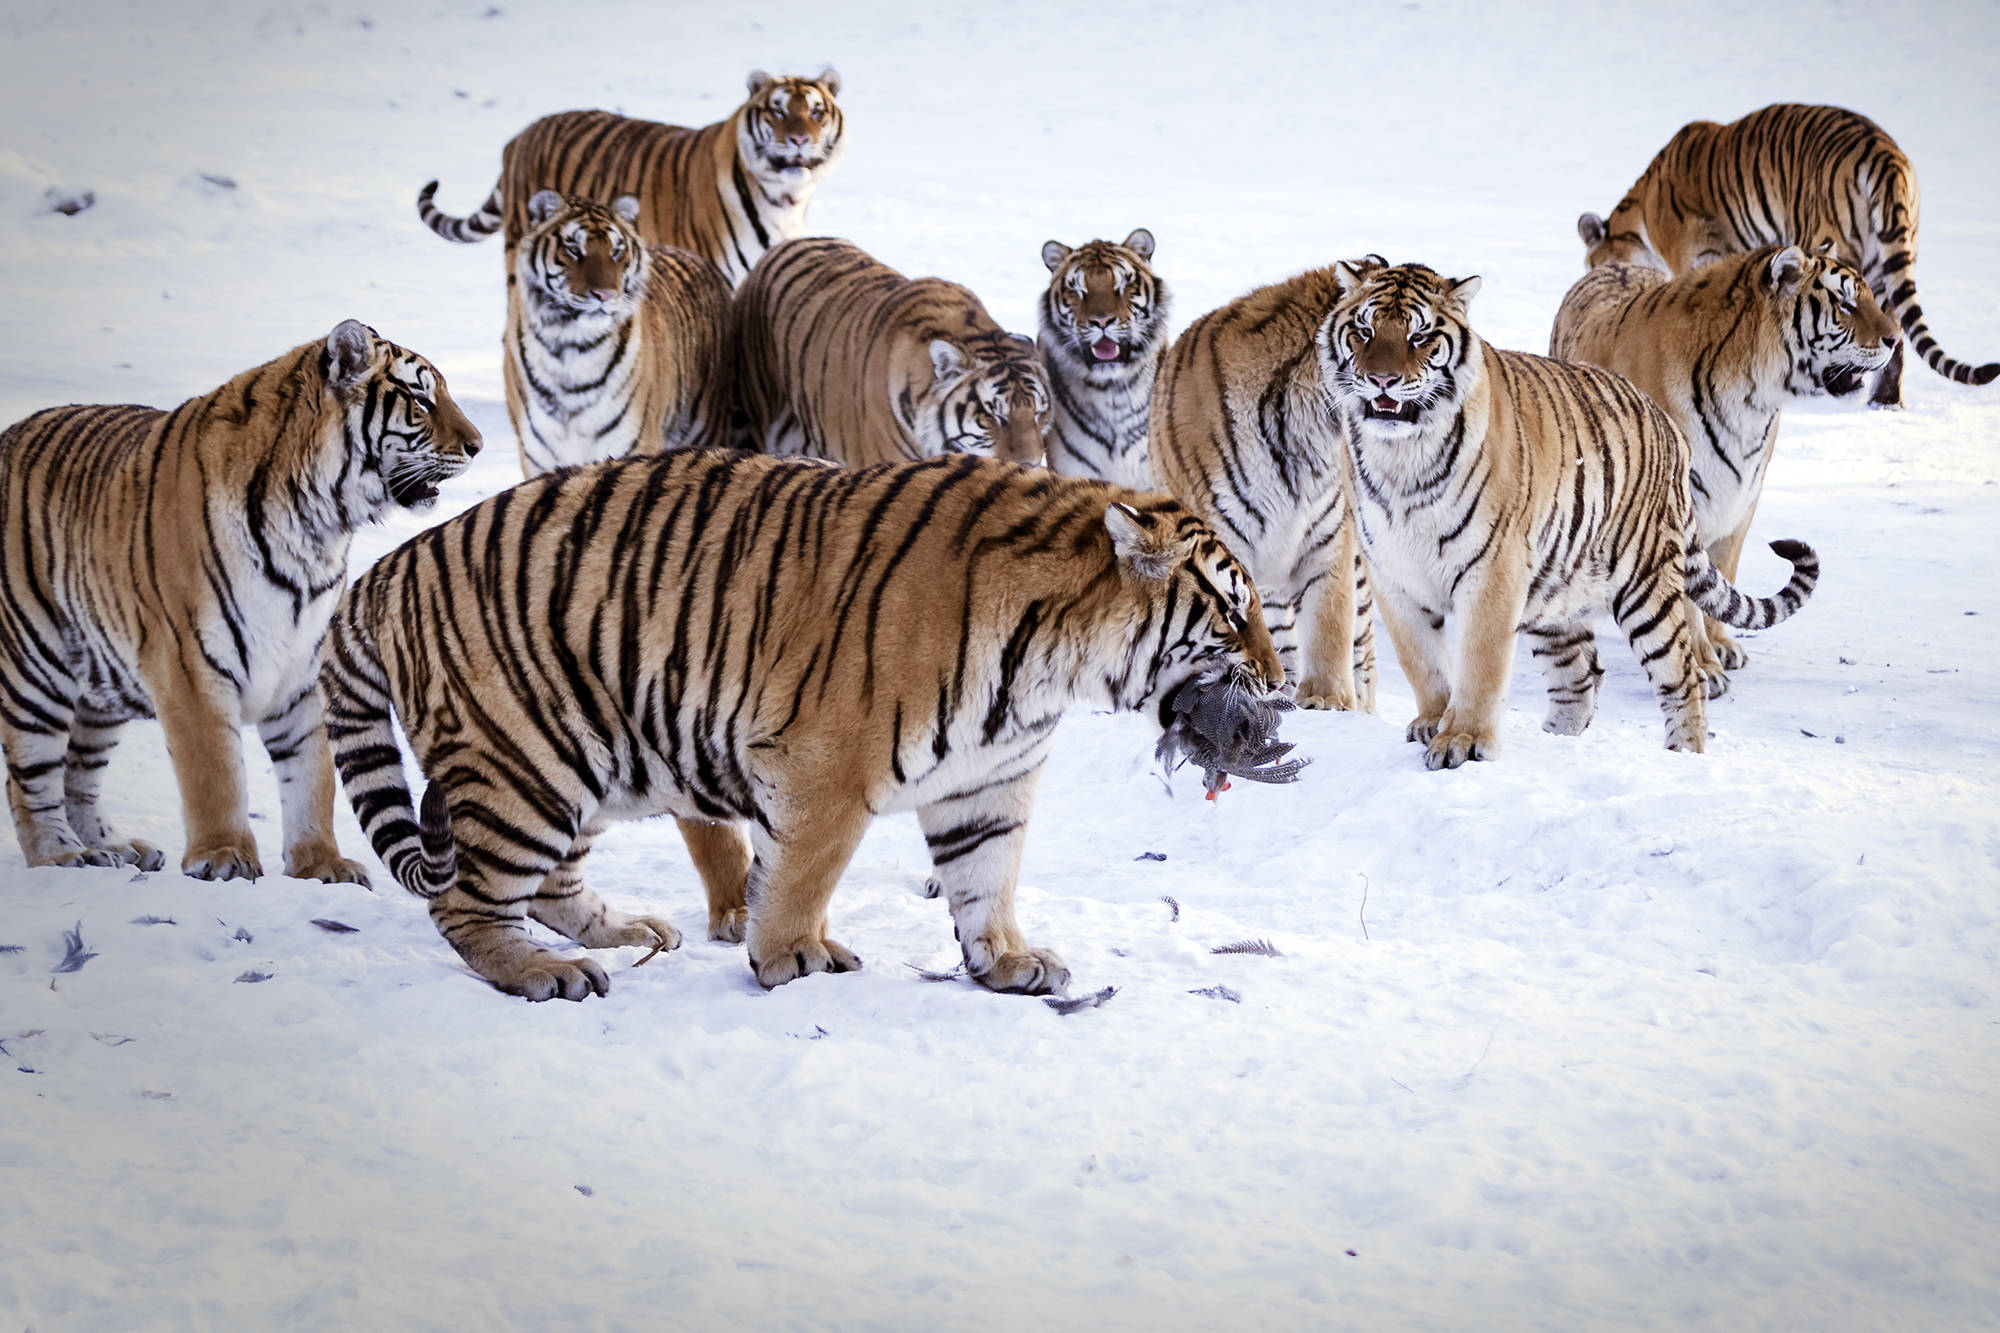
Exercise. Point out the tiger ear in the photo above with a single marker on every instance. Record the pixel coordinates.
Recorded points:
(350, 351)
(1825, 249)
(1139, 544)
(543, 205)
(1461, 292)
(1024, 340)
(946, 359)
(1786, 267)
(1140, 243)
(829, 79)
(1351, 272)
(758, 81)
(626, 206)
(1591, 228)
(1053, 254)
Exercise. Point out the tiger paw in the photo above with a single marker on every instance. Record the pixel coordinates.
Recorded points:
(1714, 683)
(1318, 692)
(731, 926)
(541, 975)
(802, 958)
(77, 858)
(615, 930)
(229, 859)
(1027, 972)
(137, 852)
(1422, 729)
(1451, 747)
(1729, 654)
(326, 867)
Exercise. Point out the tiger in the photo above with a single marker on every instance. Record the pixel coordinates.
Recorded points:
(839, 356)
(774, 651)
(1103, 337)
(1243, 432)
(612, 346)
(1522, 494)
(727, 191)
(184, 565)
(1722, 349)
(1786, 175)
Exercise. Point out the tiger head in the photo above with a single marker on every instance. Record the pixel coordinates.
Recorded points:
(403, 434)
(1835, 334)
(988, 394)
(1198, 615)
(1397, 347)
(580, 258)
(791, 130)
(1602, 245)
(1104, 306)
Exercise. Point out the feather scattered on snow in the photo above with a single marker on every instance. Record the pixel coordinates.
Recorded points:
(11, 948)
(1175, 906)
(929, 975)
(1262, 948)
(242, 934)
(74, 954)
(1068, 1005)
(253, 976)
(1219, 993)
(111, 1038)
(333, 927)
(154, 921)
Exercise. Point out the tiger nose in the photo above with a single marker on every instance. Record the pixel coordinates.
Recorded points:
(798, 140)
(472, 445)
(1384, 381)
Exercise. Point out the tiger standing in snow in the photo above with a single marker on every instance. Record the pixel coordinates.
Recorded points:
(1723, 349)
(1524, 495)
(183, 565)
(1244, 433)
(727, 191)
(839, 356)
(762, 647)
(613, 346)
(1103, 337)
(1786, 175)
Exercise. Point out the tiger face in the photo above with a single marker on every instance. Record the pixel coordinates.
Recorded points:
(989, 397)
(1836, 335)
(1104, 305)
(582, 258)
(1396, 344)
(791, 128)
(404, 433)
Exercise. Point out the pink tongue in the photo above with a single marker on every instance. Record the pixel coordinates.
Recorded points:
(1104, 349)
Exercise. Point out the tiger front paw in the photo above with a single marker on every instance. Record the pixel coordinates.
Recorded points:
(799, 959)
(77, 858)
(228, 858)
(731, 925)
(1026, 972)
(1422, 728)
(326, 867)
(1452, 747)
(1320, 692)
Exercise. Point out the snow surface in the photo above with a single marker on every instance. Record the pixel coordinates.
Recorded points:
(1592, 1036)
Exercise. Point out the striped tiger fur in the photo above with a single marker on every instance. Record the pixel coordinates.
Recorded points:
(1723, 349)
(613, 346)
(183, 564)
(1787, 175)
(1244, 433)
(777, 647)
(1103, 337)
(727, 191)
(839, 356)
(1523, 494)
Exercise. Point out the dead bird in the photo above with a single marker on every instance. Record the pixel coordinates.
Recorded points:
(1225, 722)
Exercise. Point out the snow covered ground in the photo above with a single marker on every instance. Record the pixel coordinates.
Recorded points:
(1592, 1036)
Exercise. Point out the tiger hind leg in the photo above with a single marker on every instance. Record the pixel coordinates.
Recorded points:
(721, 855)
(975, 845)
(503, 860)
(1662, 625)
(295, 739)
(92, 736)
(37, 716)
(568, 906)
(1567, 655)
